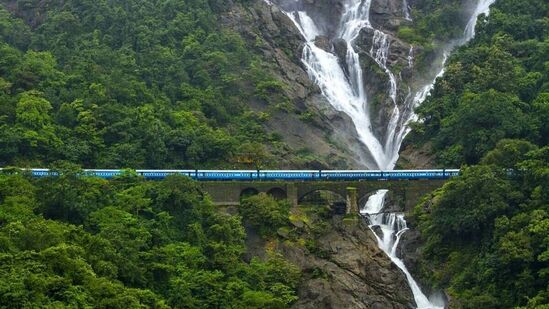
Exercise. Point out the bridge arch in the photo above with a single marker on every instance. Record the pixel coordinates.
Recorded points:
(278, 193)
(247, 192)
(404, 194)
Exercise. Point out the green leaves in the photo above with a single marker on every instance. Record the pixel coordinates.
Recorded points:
(493, 89)
(142, 244)
(264, 213)
(469, 204)
(480, 121)
(487, 230)
(107, 88)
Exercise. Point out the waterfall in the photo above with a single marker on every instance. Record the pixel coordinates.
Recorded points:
(483, 7)
(392, 226)
(411, 57)
(345, 93)
(344, 89)
(406, 10)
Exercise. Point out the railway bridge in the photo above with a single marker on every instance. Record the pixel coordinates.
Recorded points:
(226, 187)
(406, 193)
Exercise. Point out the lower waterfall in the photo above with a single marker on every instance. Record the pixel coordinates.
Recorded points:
(392, 226)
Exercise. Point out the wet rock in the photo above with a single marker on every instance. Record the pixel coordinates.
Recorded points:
(377, 79)
(408, 249)
(387, 14)
(414, 157)
(327, 133)
(323, 42)
(398, 50)
(393, 202)
(340, 50)
(355, 272)
(377, 230)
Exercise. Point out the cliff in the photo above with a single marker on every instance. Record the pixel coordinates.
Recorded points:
(341, 265)
(310, 122)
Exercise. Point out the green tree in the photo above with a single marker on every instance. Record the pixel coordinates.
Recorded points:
(264, 213)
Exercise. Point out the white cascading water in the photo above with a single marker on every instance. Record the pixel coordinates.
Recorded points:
(392, 226)
(482, 7)
(346, 93)
(406, 10)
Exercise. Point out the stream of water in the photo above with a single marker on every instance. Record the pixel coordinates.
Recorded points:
(343, 85)
(392, 226)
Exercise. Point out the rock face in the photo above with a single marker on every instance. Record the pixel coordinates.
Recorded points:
(377, 80)
(350, 272)
(327, 13)
(314, 124)
(408, 249)
(388, 14)
(340, 262)
(413, 157)
(380, 77)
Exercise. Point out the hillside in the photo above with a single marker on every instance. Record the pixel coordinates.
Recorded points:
(280, 84)
(485, 233)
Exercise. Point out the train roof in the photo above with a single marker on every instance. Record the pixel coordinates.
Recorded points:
(251, 171)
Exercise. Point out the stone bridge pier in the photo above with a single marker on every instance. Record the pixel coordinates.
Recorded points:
(406, 192)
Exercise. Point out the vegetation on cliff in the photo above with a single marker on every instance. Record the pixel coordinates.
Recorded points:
(486, 231)
(128, 84)
(128, 243)
(494, 88)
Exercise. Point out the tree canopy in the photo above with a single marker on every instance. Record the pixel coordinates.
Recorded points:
(486, 231)
(88, 242)
(496, 87)
(140, 84)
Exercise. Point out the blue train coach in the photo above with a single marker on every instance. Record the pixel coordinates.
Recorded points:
(289, 175)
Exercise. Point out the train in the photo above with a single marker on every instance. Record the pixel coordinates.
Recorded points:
(259, 175)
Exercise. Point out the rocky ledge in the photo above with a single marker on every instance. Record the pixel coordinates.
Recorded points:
(349, 271)
(341, 264)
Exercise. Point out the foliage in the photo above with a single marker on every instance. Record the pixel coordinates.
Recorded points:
(438, 20)
(86, 242)
(487, 232)
(494, 88)
(133, 84)
(265, 213)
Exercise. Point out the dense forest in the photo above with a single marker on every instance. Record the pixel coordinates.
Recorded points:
(129, 84)
(487, 232)
(129, 243)
(162, 84)
(133, 84)
(494, 88)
